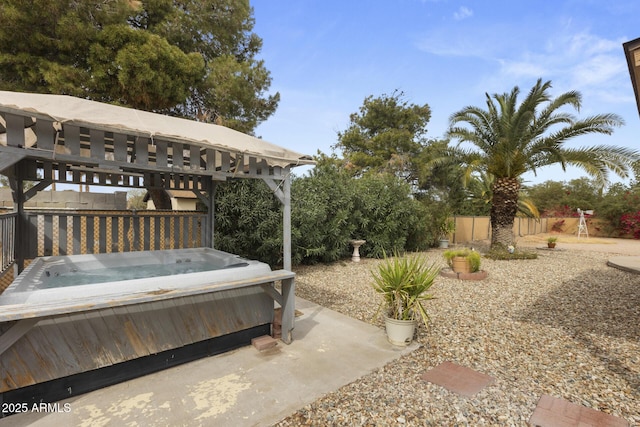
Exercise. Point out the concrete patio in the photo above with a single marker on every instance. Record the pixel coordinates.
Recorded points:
(244, 387)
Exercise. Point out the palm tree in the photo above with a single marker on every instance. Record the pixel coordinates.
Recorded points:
(480, 187)
(508, 140)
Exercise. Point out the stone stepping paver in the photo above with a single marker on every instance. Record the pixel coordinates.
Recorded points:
(550, 411)
(458, 379)
(556, 412)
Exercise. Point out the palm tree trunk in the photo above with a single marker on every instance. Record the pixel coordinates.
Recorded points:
(503, 211)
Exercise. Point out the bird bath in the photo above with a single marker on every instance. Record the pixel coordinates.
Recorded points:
(356, 249)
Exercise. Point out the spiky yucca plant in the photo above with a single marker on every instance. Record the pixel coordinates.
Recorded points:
(403, 283)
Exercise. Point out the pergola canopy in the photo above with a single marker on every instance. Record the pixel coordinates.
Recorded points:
(59, 138)
(63, 109)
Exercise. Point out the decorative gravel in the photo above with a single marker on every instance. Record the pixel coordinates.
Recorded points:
(565, 324)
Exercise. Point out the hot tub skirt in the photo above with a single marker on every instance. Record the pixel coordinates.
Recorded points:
(79, 343)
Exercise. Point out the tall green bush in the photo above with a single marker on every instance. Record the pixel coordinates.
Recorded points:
(321, 217)
(384, 214)
(248, 220)
(329, 208)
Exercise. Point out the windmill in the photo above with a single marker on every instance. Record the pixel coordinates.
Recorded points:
(582, 224)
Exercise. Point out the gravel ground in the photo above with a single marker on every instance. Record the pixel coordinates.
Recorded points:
(564, 324)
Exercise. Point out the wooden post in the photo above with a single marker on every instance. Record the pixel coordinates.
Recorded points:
(288, 309)
(286, 221)
(17, 188)
(211, 215)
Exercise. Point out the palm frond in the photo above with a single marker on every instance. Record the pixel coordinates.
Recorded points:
(599, 160)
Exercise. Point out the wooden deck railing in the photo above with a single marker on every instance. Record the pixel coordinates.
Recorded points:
(90, 232)
(7, 240)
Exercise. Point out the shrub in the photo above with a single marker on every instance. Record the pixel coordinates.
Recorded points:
(558, 226)
(322, 223)
(503, 254)
(248, 220)
(473, 257)
(630, 224)
(328, 209)
(384, 214)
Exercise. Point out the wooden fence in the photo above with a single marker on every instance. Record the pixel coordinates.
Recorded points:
(473, 228)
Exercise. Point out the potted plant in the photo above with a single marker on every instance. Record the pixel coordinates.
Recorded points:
(446, 228)
(463, 260)
(551, 242)
(404, 283)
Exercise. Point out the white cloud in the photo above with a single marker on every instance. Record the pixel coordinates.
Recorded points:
(462, 13)
(597, 70)
(572, 60)
(581, 61)
(481, 44)
(588, 44)
(524, 68)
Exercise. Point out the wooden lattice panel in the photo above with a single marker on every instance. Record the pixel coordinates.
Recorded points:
(109, 235)
(40, 233)
(69, 233)
(56, 236)
(5, 279)
(162, 234)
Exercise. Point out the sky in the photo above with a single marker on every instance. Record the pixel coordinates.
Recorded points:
(326, 56)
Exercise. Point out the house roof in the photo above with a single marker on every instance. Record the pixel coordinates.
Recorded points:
(178, 194)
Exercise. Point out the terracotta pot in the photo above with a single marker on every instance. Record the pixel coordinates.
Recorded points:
(461, 264)
(551, 245)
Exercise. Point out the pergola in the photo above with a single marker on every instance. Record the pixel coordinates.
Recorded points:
(63, 139)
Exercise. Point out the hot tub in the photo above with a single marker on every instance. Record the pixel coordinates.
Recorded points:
(71, 324)
(59, 278)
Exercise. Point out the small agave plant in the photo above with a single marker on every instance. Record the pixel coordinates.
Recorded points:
(404, 283)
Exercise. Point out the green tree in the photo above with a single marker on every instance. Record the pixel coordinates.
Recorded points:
(386, 135)
(548, 196)
(192, 58)
(233, 90)
(620, 199)
(441, 183)
(480, 186)
(553, 197)
(506, 140)
(135, 199)
(140, 69)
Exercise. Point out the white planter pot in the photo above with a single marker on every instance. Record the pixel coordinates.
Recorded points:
(400, 332)
(444, 243)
